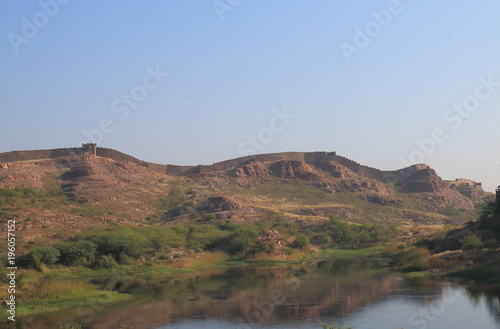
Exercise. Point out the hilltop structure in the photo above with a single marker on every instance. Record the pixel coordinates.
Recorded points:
(91, 149)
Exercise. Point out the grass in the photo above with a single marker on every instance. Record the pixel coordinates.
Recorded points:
(348, 253)
(416, 275)
(51, 295)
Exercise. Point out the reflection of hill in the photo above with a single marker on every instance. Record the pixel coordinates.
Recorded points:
(256, 294)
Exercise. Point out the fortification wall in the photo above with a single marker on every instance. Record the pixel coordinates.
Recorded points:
(463, 181)
(309, 157)
(39, 154)
(362, 170)
(160, 168)
(116, 155)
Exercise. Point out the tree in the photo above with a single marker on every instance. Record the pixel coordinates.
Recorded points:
(241, 242)
(470, 242)
(300, 242)
(77, 253)
(39, 256)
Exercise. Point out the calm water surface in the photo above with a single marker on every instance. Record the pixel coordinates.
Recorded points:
(353, 293)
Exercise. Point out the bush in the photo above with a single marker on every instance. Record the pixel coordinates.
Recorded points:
(105, 261)
(470, 242)
(241, 242)
(39, 256)
(322, 239)
(417, 259)
(300, 242)
(116, 244)
(77, 253)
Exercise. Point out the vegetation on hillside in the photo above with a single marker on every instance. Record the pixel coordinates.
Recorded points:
(470, 251)
(110, 245)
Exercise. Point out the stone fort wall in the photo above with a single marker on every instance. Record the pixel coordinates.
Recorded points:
(462, 181)
(39, 154)
(309, 157)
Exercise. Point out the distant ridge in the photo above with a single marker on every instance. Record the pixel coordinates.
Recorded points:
(175, 170)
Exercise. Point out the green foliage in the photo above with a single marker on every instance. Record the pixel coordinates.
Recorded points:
(52, 186)
(322, 239)
(206, 237)
(105, 261)
(77, 253)
(116, 244)
(91, 211)
(178, 201)
(487, 218)
(39, 256)
(470, 242)
(452, 212)
(487, 210)
(300, 242)
(416, 259)
(352, 235)
(241, 242)
(19, 195)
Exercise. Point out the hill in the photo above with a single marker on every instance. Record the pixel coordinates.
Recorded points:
(87, 186)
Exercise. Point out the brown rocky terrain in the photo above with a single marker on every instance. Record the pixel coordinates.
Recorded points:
(302, 186)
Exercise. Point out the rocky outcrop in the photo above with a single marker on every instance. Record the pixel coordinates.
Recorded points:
(362, 185)
(254, 169)
(336, 169)
(218, 203)
(425, 180)
(295, 169)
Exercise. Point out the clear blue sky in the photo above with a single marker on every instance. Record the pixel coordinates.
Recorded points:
(67, 68)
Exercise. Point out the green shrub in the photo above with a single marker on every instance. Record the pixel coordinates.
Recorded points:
(470, 242)
(105, 261)
(77, 253)
(241, 242)
(452, 212)
(417, 259)
(116, 245)
(38, 256)
(300, 242)
(322, 239)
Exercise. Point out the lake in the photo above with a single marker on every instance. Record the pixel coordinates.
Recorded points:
(355, 293)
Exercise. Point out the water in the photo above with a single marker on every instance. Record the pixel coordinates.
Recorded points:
(355, 293)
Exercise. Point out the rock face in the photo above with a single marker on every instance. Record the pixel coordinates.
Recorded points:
(425, 180)
(295, 169)
(336, 169)
(222, 203)
(254, 169)
(362, 185)
(120, 186)
(294, 183)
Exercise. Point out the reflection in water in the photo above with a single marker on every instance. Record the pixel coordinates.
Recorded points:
(277, 294)
(271, 296)
(490, 295)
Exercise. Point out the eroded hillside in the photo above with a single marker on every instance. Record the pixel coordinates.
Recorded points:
(84, 188)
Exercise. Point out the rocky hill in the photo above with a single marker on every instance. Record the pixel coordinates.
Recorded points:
(89, 185)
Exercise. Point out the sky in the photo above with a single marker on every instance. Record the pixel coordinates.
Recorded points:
(384, 83)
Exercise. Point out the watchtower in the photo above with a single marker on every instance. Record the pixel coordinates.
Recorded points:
(90, 147)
